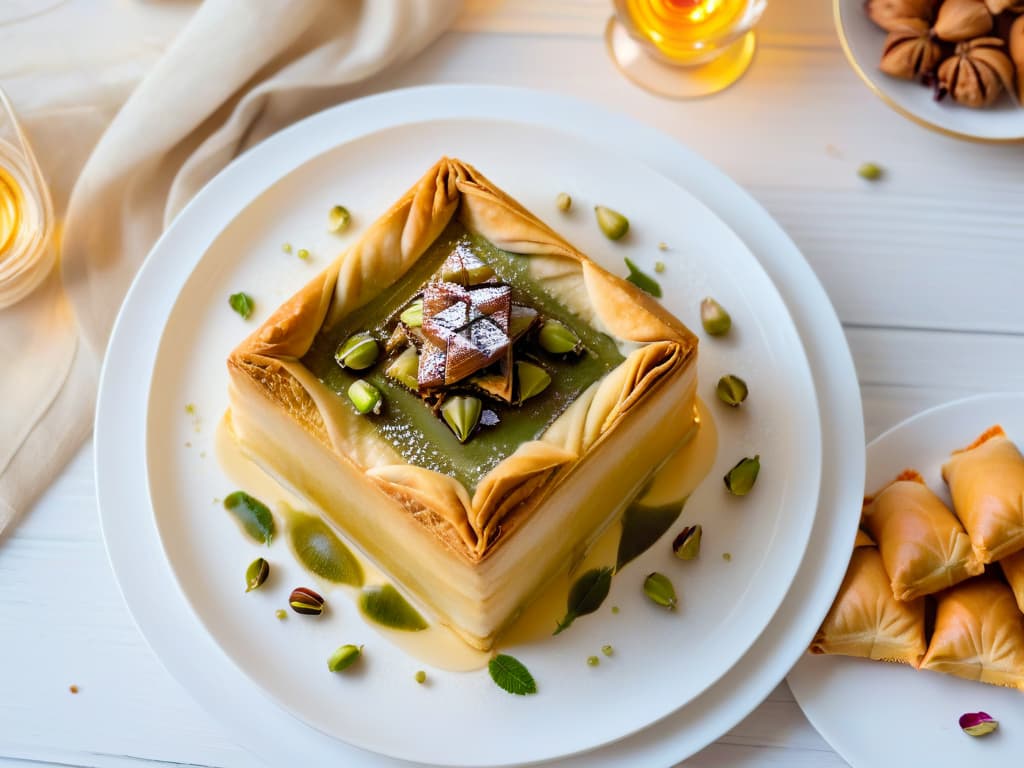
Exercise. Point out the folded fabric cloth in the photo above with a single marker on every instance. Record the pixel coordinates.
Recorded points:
(238, 72)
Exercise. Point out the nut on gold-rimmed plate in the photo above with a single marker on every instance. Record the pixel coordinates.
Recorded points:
(862, 43)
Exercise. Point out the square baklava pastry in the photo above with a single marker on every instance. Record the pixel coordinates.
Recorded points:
(467, 397)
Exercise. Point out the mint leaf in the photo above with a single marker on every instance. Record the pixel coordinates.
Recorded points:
(586, 595)
(242, 303)
(642, 280)
(252, 514)
(509, 674)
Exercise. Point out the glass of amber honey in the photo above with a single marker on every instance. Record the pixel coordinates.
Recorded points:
(26, 213)
(683, 49)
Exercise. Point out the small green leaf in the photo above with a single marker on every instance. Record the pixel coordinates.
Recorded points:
(586, 595)
(642, 280)
(387, 607)
(642, 526)
(509, 674)
(252, 514)
(321, 552)
(242, 303)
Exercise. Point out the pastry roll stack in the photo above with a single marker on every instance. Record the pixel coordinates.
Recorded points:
(914, 557)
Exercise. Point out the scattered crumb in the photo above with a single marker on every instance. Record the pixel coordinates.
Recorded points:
(832, 150)
(73, 688)
(662, 246)
(303, 254)
(202, 454)
(593, 661)
(420, 676)
(190, 409)
(870, 171)
(216, 500)
(659, 267)
(287, 247)
(281, 614)
(615, 609)
(188, 444)
(727, 556)
(607, 650)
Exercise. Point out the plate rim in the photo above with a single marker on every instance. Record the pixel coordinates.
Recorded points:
(571, 115)
(804, 700)
(855, 65)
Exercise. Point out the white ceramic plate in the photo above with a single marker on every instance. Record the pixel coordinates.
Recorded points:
(131, 540)
(863, 41)
(917, 725)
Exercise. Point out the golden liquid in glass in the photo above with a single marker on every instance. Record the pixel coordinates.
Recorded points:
(12, 204)
(679, 28)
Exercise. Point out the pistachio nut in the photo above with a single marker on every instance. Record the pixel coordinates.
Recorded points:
(731, 390)
(338, 219)
(405, 368)
(365, 397)
(532, 380)
(461, 413)
(612, 223)
(357, 352)
(563, 202)
(557, 338)
(305, 601)
(344, 657)
(870, 171)
(686, 545)
(413, 314)
(659, 589)
(714, 318)
(978, 723)
(959, 20)
(740, 479)
(256, 574)
(977, 72)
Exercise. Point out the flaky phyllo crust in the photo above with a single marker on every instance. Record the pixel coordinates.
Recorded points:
(466, 520)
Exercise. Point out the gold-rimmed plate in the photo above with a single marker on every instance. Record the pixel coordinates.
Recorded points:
(862, 43)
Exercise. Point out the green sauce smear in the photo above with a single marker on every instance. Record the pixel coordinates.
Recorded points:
(384, 605)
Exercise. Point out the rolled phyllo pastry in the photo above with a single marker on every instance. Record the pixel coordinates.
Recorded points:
(979, 634)
(923, 546)
(1013, 569)
(986, 481)
(866, 620)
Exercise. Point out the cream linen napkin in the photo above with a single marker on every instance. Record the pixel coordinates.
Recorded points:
(239, 71)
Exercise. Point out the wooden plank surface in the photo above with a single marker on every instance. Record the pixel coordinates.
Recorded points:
(924, 269)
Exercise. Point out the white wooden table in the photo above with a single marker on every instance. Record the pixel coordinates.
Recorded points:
(925, 269)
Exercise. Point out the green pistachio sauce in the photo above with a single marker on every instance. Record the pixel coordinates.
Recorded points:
(408, 423)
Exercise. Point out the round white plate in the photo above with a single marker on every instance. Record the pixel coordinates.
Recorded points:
(918, 723)
(862, 42)
(134, 547)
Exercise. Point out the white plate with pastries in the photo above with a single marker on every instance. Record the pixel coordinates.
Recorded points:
(921, 55)
(880, 714)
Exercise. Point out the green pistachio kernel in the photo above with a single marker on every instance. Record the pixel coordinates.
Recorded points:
(413, 314)
(659, 589)
(731, 390)
(405, 369)
(338, 219)
(686, 545)
(256, 574)
(462, 414)
(607, 650)
(557, 338)
(357, 352)
(593, 661)
(714, 318)
(532, 380)
(473, 275)
(563, 202)
(870, 171)
(303, 254)
(344, 657)
(421, 676)
(615, 609)
(286, 247)
(612, 223)
(740, 479)
(281, 614)
(365, 397)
